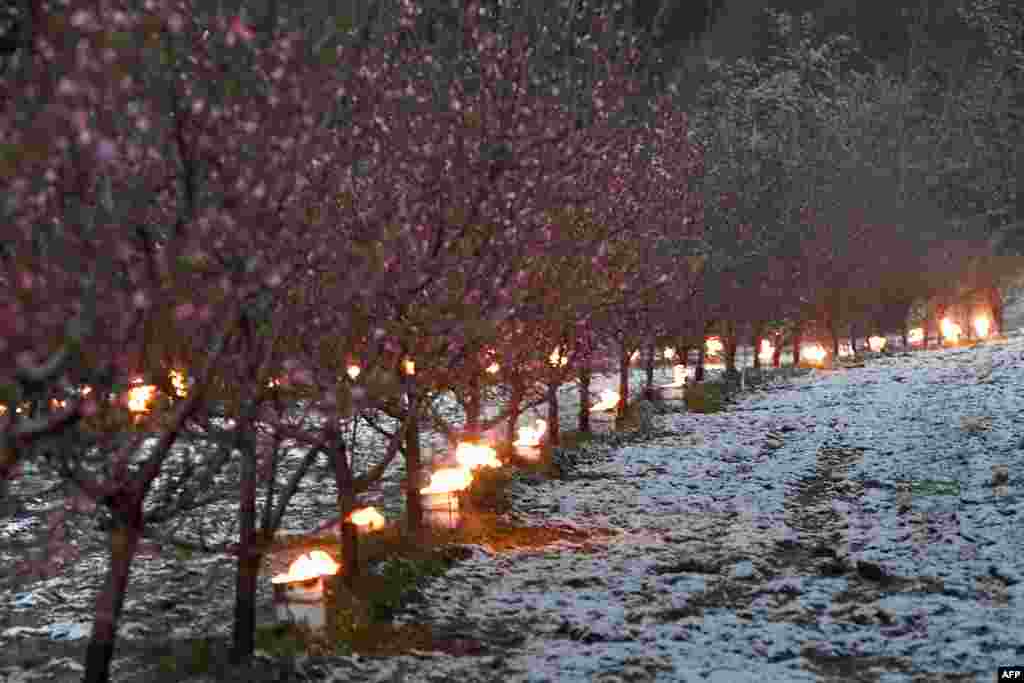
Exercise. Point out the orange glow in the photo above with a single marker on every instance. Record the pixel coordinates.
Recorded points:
(367, 519)
(448, 480)
(714, 346)
(353, 371)
(609, 399)
(915, 336)
(814, 353)
(767, 352)
(531, 436)
(493, 368)
(140, 396)
(471, 455)
(670, 353)
(951, 332)
(557, 359)
(876, 343)
(982, 326)
(410, 367)
(310, 566)
(178, 382)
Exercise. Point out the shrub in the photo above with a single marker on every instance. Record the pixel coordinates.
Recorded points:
(704, 397)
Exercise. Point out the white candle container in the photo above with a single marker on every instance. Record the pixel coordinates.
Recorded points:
(301, 602)
(441, 509)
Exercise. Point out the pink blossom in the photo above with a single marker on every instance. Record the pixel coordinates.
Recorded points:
(184, 311)
(238, 30)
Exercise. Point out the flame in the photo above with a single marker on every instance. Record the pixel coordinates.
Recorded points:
(493, 368)
(609, 399)
(353, 371)
(915, 336)
(767, 352)
(950, 331)
(877, 343)
(178, 382)
(311, 566)
(274, 383)
(54, 403)
(410, 367)
(471, 455)
(368, 518)
(982, 326)
(845, 350)
(557, 359)
(140, 396)
(714, 346)
(670, 353)
(86, 390)
(447, 480)
(530, 436)
(815, 353)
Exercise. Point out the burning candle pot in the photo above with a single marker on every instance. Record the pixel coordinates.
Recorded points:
(299, 594)
(472, 455)
(713, 347)
(951, 331)
(528, 445)
(367, 520)
(440, 498)
(982, 326)
(815, 354)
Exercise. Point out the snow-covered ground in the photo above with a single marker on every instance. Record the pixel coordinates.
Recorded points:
(859, 524)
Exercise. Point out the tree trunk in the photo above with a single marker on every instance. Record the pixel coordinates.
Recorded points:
(834, 332)
(583, 422)
(515, 401)
(798, 341)
(124, 541)
(413, 501)
(349, 551)
(474, 402)
(777, 352)
(731, 343)
(553, 431)
(698, 374)
(853, 339)
(995, 302)
(620, 413)
(757, 336)
(248, 562)
(649, 387)
(346, 504)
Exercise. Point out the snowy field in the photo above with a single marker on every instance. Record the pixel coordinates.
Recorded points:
(858, 525)
(854, 525)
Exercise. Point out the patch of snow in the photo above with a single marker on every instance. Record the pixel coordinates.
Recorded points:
(69, 630)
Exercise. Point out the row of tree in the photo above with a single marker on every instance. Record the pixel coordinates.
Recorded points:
(422, 191)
